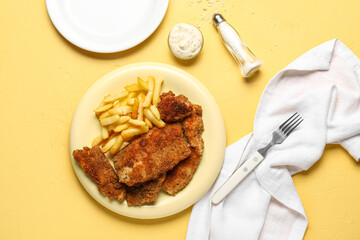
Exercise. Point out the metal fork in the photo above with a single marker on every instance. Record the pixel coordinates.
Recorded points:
(284, 130)
(278, 136)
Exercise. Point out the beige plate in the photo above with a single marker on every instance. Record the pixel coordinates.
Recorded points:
(85, 127)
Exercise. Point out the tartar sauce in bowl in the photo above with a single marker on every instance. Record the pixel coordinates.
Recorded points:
(185, 41)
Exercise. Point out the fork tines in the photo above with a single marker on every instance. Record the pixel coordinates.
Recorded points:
(289, 125)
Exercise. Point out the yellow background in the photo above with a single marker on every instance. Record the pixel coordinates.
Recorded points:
(43, 77)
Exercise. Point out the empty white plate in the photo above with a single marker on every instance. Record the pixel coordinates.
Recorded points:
(106, 26)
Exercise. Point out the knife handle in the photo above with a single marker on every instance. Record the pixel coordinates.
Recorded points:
(237, 177)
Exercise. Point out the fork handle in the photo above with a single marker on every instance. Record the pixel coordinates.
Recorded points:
(237, 177)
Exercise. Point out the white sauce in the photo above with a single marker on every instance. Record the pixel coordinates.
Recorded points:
(185, 41)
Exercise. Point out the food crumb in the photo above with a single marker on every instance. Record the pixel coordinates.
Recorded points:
(207, 8)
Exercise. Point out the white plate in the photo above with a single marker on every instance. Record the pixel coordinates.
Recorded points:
(85, 127)
(106, 26)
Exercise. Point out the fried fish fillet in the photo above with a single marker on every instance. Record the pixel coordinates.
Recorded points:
(194, 127)
(179, 177)
(174, 108)
(151, 155)
(144, 193)
(97, 167)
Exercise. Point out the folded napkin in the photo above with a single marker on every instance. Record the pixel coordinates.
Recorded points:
(323, 85)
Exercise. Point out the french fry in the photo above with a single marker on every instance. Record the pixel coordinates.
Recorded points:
(104, 115)
(123, 110)
(111, 127)
(157, 88)
(116, 97)
(155, 111)
(104, 133)
(133, 87)
(135, 108)
(110, 120)
(108, 144)
(131, 101)
(133, 131)
(116, 104)
(149, 95)
(111, 136)
(121, 127)
(102, 108)
(153, 119)
(138, 123)
(116, 146)
(143, 84)
(123, 119)
(132, 94)
(97, 141)
(124, 145)
(142, 95)
(140, 113)
(123, 103)
(148, 122)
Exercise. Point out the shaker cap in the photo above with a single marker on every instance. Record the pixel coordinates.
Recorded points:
(218, 18)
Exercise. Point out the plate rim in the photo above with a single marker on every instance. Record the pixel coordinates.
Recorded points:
(118, 48)
(107, 77)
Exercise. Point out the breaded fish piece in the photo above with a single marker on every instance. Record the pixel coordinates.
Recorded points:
(151, 155)
(179, 177)
(174, 108)
(144, 193)
(98, 168)
(194, 127)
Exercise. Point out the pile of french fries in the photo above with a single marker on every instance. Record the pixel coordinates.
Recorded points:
(127, 114)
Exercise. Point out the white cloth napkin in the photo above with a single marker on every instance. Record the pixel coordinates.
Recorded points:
(323, 85)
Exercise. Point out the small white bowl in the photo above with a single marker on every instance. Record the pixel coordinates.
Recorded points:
(194, 54)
